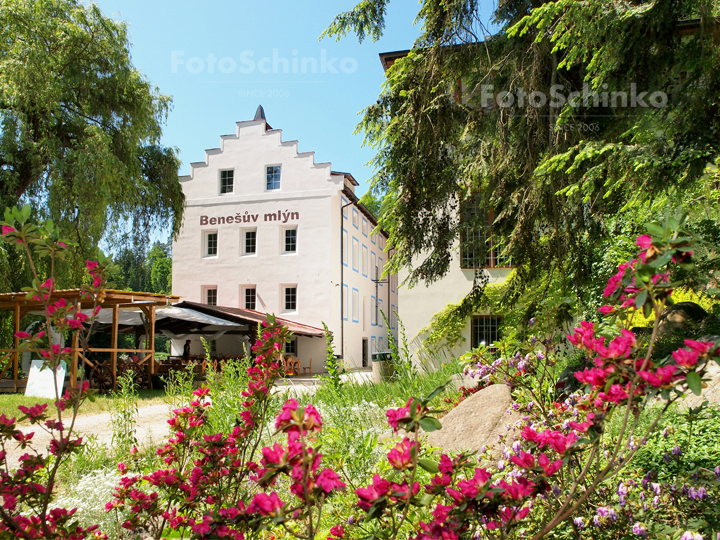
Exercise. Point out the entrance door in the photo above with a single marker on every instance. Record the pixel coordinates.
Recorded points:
(364, 352)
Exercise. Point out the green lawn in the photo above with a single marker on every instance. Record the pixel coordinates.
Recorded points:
(9, 402)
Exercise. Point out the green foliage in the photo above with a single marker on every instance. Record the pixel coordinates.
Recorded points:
(558, 194)
(399, 353)
(333, 364)
(179, 385)
(80, 127)
(124, 414)
(695, 432)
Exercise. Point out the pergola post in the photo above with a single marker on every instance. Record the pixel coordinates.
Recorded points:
(152, 343)
(113, 354)
(16, 341)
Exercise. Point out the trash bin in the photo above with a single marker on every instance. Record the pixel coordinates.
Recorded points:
(382, 366)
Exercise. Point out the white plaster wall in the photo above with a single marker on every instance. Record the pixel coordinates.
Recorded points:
(420, 303)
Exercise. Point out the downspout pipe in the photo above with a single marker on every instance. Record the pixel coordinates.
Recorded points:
(342, 281)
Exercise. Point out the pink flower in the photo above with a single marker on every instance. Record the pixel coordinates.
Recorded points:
(615, 394)
(91, 265)
(337, 531)
(524, 460)
(22, 335)
(469, 489)
(701, 347)
(549, 468)
(34, 412)
(401, 457)
(620, 347)
(518, 490)
(605, 310)
(329, 480)
(369, 495)
(265, 505)
(686, 358)
(593, 376)
(395, 415)
(7, 230)
(286, 415)
(445, 465)
(662, 376)
(644, 241)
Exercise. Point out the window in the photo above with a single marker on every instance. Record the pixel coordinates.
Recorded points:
(290, 298)
(273, 177)
(345, 247)
(356, 218)
(250, 298)
(211, 244)
(373, 264)
(291, 347)
(249, 242)
(355, 255)
(373, 311)
(364, 261)
(355, 305)
(226, 181)
(485, 330)
(345, 302)
(380, 313)
(211, 297)
(343, 202)
(290, 240)
(478, 246)
(365, 226)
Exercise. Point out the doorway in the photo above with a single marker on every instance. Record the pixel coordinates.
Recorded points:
(364, 352)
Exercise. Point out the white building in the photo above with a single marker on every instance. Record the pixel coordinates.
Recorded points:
(267, 229)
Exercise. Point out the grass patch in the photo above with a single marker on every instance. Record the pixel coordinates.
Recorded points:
(9, 403)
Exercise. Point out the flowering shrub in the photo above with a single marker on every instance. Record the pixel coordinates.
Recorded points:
(26, 510)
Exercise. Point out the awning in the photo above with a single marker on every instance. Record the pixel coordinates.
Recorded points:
(133, 318)
(250, 317)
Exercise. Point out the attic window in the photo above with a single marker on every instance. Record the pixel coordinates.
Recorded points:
(226, 181)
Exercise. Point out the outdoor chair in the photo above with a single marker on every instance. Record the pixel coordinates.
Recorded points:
(308, 368)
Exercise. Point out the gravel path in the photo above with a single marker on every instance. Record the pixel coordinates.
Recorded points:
(152, 420)
(151, 426)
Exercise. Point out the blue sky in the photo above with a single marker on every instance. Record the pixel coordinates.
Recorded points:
(208, 55)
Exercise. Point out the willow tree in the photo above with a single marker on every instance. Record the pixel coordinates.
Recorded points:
(80, 127)
(569, 113)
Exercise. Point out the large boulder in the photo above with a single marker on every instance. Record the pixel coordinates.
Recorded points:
(676, 318)
(476, 422)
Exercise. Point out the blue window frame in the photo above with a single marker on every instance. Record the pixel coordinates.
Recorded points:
(380, 312)
(345, 302)
(343, 202)
(373, 312)
(380, 270)
(273, 177)
(365, 261)
(355, 254)
(345, 247)
(356, 218)
(364, 226)
(355, 305)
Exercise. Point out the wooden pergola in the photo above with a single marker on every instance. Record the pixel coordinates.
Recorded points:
(113, 299)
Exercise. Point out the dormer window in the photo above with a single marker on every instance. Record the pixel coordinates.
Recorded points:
(226, 181)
